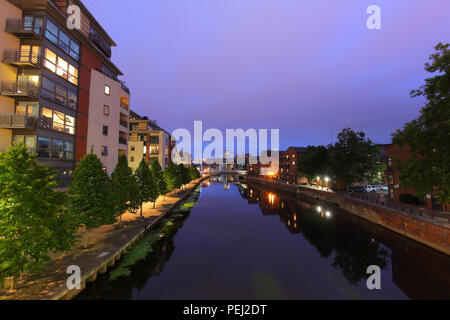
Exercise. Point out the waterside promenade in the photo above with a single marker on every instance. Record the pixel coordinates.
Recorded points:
(106, 246)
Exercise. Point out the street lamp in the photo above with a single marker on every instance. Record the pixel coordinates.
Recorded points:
(327, 180)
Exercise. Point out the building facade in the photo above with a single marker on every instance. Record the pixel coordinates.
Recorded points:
(50, 81)
(148, 140)
(289, 172)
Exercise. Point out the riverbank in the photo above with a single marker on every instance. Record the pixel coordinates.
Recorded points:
(107, 245)
(432, 232)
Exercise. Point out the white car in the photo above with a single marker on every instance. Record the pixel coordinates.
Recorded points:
(371, 189)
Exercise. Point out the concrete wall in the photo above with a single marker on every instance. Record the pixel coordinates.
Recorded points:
(97, 119)
(7, 42)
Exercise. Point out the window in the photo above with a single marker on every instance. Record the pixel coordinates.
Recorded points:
(57, 93)
(107, 90)
(106, 110)
(105, 130)
(68, 150)
(104, 151)
(61, 67)
(133, 148)
(132, 159)
(30, 109)
(43, 147)
(58, 121)
(62, 40)
(57, 149)
(29, 141)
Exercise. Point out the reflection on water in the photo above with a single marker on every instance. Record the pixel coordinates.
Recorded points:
(246, 242)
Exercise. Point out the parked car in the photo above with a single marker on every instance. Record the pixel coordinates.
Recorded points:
(382, 188)
(371, 189)
(357, 189)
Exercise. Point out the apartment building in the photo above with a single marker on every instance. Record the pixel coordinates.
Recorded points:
(54, 85)
(147, 140)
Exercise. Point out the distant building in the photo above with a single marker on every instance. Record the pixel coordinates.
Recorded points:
(289, 172)
(147, 140)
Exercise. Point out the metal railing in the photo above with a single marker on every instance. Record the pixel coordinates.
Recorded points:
(21, 57)
(24, 26)
(19, 88)
(15, 121)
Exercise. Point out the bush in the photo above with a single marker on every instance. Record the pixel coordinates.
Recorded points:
(407, 198)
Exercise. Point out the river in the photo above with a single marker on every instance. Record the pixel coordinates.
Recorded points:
(243, 241)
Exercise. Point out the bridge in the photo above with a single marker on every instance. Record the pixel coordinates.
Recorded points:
(230, 172)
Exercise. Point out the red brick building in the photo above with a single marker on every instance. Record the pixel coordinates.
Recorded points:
(394, 154)
(289, 165)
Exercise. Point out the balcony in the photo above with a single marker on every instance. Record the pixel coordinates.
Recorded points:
(22, 59)
(15, 121)
(27, 28)
(124, 123)
(19, 89)
(123, 140)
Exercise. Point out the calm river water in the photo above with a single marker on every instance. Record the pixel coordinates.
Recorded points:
(247, 242)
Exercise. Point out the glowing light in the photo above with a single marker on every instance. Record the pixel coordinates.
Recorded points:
(319, 209)
(328, 214)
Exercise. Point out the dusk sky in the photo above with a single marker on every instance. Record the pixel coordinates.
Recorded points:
(306, 67)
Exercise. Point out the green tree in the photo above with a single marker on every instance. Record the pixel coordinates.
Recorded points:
(184, 175)
(146, 184)
(172, 178)
(194, 173)
(91, 198)
(428, 137)
(33, 221)
(125, 189)
(158, 175)
(314, 163)
(353, 158)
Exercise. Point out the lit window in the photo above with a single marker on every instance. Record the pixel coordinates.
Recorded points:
(61, 67)
(107, 90)
(106, 110)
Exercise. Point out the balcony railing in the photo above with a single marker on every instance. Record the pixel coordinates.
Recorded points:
(19, 89)
(124, 123)
(123, 141)
(30, 28)
(21, 59)
(15, 121)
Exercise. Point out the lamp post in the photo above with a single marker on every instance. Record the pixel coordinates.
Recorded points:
(327, 180)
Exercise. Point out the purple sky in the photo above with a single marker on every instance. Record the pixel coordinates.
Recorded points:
(309, 68)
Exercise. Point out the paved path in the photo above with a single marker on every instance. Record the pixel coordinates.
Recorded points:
(104, 243)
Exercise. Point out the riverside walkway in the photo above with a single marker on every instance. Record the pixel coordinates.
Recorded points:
(106, 245)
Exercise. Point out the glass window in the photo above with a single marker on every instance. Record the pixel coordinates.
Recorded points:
(57, 149)
(58, 121)
(60, 94)
(50, 60)
(68, 147)
(48, 89)
(64, 42)
(21, 110)
(70, 125)
(105, 130)
(74, 50)
(104, 151)
(27, 109)
(107, 90)
(47, 118)
(62, 68)
(106, 110)
(51, 32)
(43, 147)
(72, 99)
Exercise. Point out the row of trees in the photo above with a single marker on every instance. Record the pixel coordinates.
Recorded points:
(35, 219)
(353, 158)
